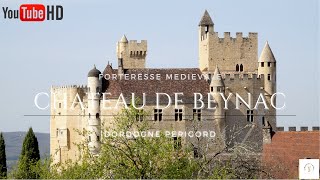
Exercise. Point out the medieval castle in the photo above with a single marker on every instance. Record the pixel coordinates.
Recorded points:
(232, 63)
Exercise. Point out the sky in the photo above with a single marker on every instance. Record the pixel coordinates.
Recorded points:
(34, 56)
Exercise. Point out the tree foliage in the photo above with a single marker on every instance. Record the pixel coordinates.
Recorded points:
(29, 157)
(129, 156)
(3, 164)
(30, 147)
(140, 157)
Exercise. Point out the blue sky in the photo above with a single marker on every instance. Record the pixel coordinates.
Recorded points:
(34, 56)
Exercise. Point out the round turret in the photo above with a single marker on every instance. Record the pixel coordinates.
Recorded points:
(216, 84)
(122, 47)
(94, 122)
(266, 54)
(124, 39)
(217, 87)
(267, 67)
(216, 80)
(94, 72)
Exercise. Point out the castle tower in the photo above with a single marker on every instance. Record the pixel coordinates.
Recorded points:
(267, 67)
(206, 27)
(94, 122)
(217, 87)
(122, 47)
(238, 54)
(132, 53)
(206, 24)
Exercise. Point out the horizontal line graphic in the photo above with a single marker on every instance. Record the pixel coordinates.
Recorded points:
(46, 115)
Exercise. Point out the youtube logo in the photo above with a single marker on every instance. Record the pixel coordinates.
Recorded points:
(34, 12)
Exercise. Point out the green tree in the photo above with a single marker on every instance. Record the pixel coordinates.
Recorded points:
(3, 164)
(142, 157)
(124, 157)
(29, 158)
(139, 157)
(30, 147)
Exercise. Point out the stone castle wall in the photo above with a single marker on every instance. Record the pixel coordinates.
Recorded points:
(65, 122)
(227, 52)
(133, 54)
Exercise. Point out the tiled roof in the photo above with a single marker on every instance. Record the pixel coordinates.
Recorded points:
(206, 19)
(151, 87)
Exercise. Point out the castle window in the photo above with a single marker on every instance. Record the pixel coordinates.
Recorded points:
(206, 28)
(145, 52)
(250, 115)
(197, 114)
(241, 67)
(263, 121)
(269, 77)
(262, 64)
(140, 53)
(97, 115)
(178, 114)
(130, 53)
(158, 114)
(269, 64)
(98, 138)
(139, 115)
(89, 115)
(57, 132)
(177, 142)
(211, 89)
(89, 138)
(237, 67)
(59, 105)
(196, 153)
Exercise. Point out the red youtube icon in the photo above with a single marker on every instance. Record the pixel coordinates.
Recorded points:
(32, 12)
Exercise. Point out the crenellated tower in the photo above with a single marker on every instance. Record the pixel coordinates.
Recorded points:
(230, 54)
(132, 53)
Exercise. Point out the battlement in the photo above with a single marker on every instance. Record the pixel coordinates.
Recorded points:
(66, 87)
(242, 76)
(142, 42)
(243, 81)
(239, 35)
(227, 37)
(137, 49)
(302, 128)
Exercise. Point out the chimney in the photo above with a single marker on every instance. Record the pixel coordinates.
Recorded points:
(266, 132)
